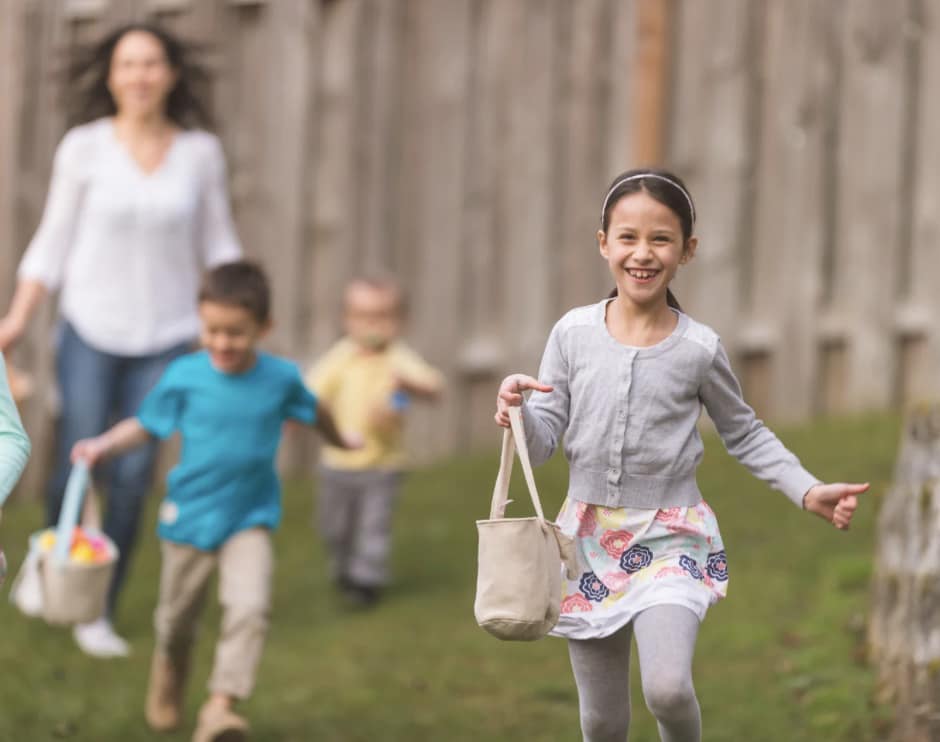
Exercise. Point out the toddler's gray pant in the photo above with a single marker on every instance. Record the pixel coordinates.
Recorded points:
(355, 520)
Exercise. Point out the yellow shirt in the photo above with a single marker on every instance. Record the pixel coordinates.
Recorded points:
(356, 386)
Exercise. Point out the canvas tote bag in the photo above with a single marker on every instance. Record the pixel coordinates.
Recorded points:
(519, 565)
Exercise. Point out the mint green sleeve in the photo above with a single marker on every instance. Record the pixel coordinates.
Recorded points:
(14, 443)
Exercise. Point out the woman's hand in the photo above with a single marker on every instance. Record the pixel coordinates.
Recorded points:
(510, 395)
(835, 503)
(11, 330)
(29, 294)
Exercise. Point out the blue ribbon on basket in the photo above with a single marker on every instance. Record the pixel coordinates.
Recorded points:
(71, 508)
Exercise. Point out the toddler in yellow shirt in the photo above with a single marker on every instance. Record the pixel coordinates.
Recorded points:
(368, 379)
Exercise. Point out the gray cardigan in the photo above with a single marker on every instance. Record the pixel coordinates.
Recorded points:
(629, 415)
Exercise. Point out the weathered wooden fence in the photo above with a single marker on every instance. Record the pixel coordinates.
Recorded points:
(465, 145)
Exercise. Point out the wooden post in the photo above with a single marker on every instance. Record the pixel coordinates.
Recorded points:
(11, 59)
(652, 80)
(904, 636)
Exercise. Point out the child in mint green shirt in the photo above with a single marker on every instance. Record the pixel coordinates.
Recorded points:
(14, 448)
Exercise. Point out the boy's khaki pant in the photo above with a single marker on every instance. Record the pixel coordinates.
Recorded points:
(246, 563)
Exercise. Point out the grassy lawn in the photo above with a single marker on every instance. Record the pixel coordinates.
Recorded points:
(781, 659)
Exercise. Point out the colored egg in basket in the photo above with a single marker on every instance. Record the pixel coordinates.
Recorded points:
(87, 547)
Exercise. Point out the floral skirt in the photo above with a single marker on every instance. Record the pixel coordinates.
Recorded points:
(630, 559)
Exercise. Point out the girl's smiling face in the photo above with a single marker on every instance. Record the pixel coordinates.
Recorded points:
(644, 247)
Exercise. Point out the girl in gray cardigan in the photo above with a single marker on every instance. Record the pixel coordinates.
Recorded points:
(624, 382)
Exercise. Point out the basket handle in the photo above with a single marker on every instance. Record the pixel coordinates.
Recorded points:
(514, 440)
(71, 506)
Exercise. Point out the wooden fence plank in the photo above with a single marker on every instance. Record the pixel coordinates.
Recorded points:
(443, 40)
(870, 131)
(481, 356)
(653, 20)
(380, 131)
(11, 95)
(920, 308)
(790, 224)
(333, 165)
(582, 107)
(529, 269)
(287, 104)
(242, 124)
(623, 70)
(708, 147)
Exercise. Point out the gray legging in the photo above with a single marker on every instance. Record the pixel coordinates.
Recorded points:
(665, 639)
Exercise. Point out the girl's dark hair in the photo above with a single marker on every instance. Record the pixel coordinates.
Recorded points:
(89, 97)
(241, 283)
(665, 187)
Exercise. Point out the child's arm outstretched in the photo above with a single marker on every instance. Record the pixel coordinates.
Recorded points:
(428, 388)
(326, 424)
(415, 376)
(124, 436)
(754, 445)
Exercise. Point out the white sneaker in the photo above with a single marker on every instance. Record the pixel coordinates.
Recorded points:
(99, 640)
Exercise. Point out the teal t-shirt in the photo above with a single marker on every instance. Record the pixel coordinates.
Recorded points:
(230, 425)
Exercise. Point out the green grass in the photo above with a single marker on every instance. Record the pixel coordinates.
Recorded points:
(782, 658)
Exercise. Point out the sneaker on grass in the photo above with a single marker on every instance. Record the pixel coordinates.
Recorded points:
(99, 639)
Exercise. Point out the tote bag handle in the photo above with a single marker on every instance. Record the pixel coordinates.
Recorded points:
(513, 440)
(71, 506)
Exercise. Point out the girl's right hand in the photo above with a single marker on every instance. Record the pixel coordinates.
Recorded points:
(510, 395)
(90, 450)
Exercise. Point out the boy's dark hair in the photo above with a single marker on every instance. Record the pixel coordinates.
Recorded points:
(241, 284)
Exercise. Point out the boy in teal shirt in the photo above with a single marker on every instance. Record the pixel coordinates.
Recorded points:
(228, 402)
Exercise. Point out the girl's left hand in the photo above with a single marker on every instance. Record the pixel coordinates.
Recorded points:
(835, 502)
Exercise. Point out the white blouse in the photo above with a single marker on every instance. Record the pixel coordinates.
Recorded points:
(127, 247)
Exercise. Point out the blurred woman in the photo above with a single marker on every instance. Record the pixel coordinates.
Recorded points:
(137, 208)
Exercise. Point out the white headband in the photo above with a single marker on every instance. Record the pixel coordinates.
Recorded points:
(640, 176)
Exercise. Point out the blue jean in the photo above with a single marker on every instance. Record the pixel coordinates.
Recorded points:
(97, 390)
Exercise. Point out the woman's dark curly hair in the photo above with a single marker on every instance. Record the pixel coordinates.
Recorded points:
(89, 97)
